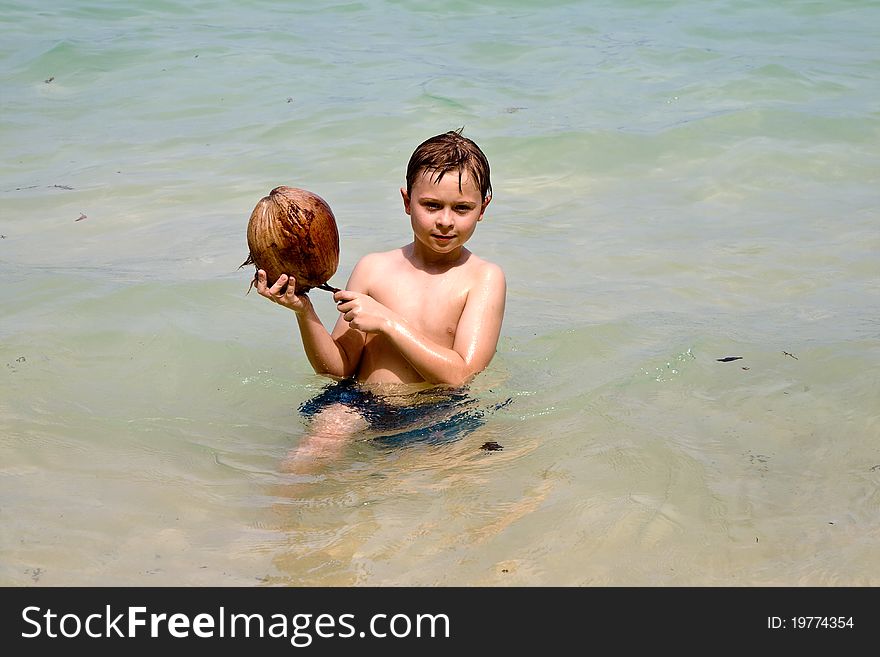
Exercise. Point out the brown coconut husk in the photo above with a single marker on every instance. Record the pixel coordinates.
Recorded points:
(293, 231)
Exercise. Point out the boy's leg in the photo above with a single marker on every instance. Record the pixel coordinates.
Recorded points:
(329, 431)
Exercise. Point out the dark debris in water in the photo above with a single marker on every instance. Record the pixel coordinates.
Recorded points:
(67, 187)
(491, 446)
(727, 359)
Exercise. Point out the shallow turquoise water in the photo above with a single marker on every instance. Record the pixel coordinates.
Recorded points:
(675, 182)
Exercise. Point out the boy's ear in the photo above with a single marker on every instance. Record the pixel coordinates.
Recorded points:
(485, 205)
(406, 201)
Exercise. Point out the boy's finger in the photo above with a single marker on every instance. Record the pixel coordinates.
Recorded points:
(275, 289)
(261, 281)
(344, 295)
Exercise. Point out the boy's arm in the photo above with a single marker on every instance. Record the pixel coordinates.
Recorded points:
(331, 355)
(476, 336)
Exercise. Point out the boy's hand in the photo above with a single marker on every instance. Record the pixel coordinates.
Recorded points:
(361, 311)
(287, 298)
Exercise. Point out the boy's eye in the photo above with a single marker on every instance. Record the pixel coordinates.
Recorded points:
(462, 208)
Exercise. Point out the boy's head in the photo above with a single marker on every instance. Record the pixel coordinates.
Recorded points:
(450, 151)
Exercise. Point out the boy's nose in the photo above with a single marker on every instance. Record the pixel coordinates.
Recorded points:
(445, 219)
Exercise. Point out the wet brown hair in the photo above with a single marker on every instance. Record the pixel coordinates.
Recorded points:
(447, 152)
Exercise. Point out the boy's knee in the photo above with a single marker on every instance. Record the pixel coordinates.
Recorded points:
(337, 421)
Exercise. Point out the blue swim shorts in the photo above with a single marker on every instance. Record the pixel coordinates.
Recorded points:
(434, 415)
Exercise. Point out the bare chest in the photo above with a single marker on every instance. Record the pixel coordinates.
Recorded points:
(431, 304)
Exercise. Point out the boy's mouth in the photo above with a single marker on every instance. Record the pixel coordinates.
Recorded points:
(442, 238)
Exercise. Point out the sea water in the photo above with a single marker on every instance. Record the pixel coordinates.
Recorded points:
(676, 182)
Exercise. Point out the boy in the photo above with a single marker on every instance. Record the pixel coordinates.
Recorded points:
(429, 312)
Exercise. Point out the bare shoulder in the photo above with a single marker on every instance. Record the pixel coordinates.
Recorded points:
(379, 261)
(373, 268)
(485, 271)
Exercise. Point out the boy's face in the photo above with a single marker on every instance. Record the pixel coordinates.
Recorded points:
(443, 217)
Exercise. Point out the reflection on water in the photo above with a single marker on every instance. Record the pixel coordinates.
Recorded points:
(387, 499)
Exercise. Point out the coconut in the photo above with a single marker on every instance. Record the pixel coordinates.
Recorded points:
(293, 231)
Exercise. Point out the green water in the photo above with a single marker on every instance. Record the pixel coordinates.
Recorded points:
(675, 182)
